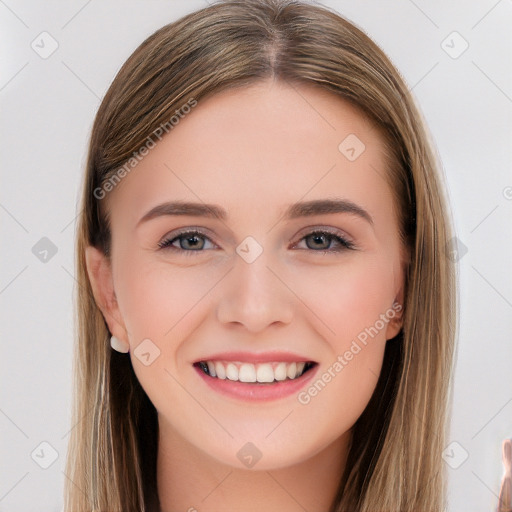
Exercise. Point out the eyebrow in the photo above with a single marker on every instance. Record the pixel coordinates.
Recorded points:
(296, 210)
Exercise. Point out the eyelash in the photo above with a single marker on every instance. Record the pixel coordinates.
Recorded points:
(344, 244)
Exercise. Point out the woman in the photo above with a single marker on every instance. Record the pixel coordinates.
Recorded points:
(265, 310)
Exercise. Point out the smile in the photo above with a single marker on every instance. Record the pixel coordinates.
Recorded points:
(267, 372)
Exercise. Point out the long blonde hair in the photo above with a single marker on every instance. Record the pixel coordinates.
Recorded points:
(394, 462)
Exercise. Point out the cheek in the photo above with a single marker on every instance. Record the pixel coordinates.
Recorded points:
(164, 304)
(156, 300)
(354, 301)
(350, 297)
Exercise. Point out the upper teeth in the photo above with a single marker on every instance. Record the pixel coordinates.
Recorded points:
(248, 372)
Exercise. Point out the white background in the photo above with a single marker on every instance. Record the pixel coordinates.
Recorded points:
(47, 111)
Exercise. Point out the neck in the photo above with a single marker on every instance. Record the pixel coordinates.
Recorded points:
(189, 480)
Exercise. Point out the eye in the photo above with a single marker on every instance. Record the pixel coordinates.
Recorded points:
(188, 241)
(195, 241)
(323, 241)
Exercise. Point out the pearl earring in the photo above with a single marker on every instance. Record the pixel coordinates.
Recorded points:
(118, 345)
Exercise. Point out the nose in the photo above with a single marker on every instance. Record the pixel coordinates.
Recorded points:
(255, 296)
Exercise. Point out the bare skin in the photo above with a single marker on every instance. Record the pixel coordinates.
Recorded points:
(254, 152)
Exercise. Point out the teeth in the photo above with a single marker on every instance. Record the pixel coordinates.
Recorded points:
(231, 372)
(280, 371)
(261, 372)
(291, 370)
(265, 373)
(220, 370)
(211, 369)
(247, 373)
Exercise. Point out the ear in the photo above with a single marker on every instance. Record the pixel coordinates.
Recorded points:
(99, 270)
(396, 312)
(395, 315)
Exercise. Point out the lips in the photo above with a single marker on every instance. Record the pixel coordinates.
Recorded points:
(256, 377)
(270, 367)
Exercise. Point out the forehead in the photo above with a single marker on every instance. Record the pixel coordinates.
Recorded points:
(260, 147)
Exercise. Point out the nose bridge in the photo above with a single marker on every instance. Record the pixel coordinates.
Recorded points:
(252, 295)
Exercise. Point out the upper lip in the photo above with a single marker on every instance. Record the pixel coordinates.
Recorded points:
(254, 358)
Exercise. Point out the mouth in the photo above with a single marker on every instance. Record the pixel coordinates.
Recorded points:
(261, 373)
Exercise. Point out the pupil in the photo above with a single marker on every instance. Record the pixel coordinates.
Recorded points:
(321, 239)
(192, 241)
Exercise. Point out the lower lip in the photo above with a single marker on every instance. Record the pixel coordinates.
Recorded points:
(254, 391)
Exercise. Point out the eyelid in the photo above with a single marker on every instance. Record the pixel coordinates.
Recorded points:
(169, 237)
(325, 229)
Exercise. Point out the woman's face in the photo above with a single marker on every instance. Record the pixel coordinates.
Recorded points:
(275, 277)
